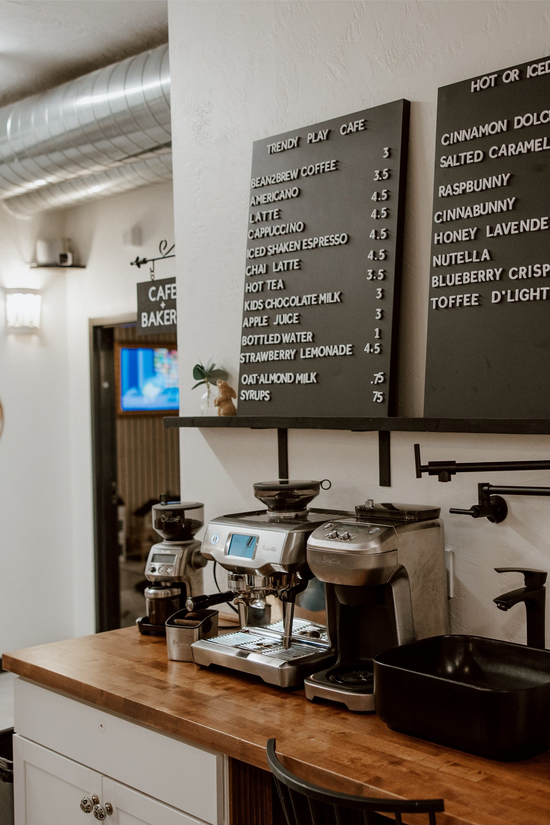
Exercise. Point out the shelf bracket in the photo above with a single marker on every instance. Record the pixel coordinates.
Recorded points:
(282, 449)
(384, 458)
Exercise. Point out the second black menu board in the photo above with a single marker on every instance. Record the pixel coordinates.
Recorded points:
(489, 306)
(323, 267)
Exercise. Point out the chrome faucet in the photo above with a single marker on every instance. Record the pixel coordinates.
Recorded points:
(534, 597)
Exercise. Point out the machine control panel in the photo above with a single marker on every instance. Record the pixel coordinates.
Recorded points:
(345, 535)
(248, 547)
(353, 535)
(241, 545)
(341, 532)
(166, 562)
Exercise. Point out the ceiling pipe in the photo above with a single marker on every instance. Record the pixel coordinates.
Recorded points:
(111, 116)
(115, 181)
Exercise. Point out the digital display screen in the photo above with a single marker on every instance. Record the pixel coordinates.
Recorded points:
(148, 379)
(243, 546)
(166, 558)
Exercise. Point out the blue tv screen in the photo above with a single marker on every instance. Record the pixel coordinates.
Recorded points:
(148, 379)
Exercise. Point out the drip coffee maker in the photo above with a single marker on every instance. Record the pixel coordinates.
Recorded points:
(264, 554)
(174, 565)
(386, 585)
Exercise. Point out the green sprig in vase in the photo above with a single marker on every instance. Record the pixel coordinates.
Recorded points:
(208, 375)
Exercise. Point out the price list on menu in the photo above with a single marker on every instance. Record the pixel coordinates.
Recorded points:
(489, 306)
(322, 267)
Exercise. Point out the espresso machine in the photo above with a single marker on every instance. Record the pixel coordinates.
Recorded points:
(386, 585)
(174, 565)
(264, 553)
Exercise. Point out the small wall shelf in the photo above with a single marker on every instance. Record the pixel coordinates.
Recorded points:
(56, 266)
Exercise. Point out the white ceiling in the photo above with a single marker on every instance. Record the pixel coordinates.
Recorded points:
(47, 42)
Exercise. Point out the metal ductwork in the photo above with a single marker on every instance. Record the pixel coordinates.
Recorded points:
(113, 181)
(116, 119)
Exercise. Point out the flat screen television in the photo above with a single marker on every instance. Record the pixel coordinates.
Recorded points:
(146, 378)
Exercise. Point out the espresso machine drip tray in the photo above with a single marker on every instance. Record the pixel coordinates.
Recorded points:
(261, 644)
(260, 651)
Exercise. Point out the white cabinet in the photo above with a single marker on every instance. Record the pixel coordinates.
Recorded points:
(50, 788)
(65, 750)
(130, 807)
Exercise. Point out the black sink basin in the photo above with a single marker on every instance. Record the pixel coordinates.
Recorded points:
(474, 694)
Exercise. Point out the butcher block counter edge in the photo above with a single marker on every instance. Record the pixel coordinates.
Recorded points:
(236, 714)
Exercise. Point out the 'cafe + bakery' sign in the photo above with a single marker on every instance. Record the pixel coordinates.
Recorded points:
(157, 306)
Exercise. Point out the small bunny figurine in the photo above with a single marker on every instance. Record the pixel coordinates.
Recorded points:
(223, 402)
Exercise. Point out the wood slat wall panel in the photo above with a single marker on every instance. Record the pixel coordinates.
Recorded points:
(250, 794)
(147, 453)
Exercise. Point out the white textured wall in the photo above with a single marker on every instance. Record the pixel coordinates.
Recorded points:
(246, 70)
(46, 493)
(36, 597)
(105, 289)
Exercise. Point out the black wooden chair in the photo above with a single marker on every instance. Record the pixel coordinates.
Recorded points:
(307, 804)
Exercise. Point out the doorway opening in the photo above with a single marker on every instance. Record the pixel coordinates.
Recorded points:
(135, 459)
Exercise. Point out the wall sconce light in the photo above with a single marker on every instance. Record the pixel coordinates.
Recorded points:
(23, 308)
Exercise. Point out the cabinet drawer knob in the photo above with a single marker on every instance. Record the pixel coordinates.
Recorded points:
(86, 805)
(108, 809)
(95, 799)
(99, 812)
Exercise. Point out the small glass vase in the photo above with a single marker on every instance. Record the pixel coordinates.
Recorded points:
(207, 400)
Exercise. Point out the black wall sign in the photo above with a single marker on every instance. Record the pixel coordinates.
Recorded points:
(157, 307)
(323, 266)
(489, 312)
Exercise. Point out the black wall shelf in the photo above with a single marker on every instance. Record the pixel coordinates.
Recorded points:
(518, 426)
(56, 266)
(383, 426)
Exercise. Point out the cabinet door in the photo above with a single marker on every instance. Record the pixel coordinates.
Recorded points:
(48, 787)
(131, 807)
(185, 777)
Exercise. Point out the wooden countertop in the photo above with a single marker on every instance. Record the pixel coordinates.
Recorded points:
(236, 714)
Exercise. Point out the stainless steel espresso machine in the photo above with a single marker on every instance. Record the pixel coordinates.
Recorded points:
(264, 553)
(174, 565)
(386, 584)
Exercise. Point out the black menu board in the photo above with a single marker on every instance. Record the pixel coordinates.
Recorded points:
(489, 307)
(322, 267)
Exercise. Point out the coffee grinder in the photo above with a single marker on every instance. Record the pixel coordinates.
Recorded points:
(386, 585)
(174, 565)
